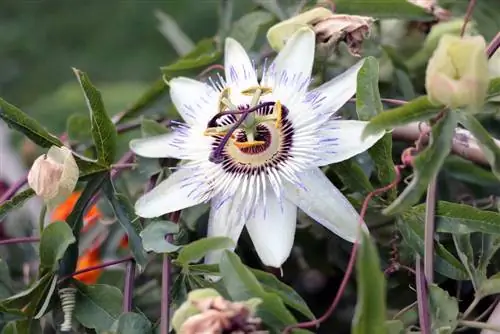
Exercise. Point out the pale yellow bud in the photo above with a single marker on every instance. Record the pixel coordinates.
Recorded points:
(457, 73)
(53, 176)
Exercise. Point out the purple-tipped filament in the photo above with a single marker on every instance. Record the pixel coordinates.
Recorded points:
(216, 155)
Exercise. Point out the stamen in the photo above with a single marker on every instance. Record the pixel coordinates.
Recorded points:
(248, 144)
(216, 155)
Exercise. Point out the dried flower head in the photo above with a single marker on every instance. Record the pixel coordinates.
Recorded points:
(53, 176)
(457, 73)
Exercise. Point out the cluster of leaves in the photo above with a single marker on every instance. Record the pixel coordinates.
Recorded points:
(466, 239)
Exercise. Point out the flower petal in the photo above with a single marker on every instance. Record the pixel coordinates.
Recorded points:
(272, 229)
(239, 70)
(195, 101)
(332, 95)
(323, 202)
(289, 74)
(341, 140)
(162, 146)
(179, 191)
(226, 219)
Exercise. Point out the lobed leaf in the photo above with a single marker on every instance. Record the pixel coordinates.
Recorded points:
(55, 240)
(153, 237)
(196, 250)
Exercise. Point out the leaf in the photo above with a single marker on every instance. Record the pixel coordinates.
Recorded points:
(78, 128)
(242, 285)
(467, 171)
(352, 175)
(203, 54)
(272, 7)
(427, 164)
(56, 238)
(98, 306)
(133, 323)
(102, 128)
(22, 299)
(419, 109)
(368, 105)
(484, 140)
(88, 168)
(153, 237)
(460, 218)
(291, 298)
(444, 310)
(23, 123)
(394, 327)
(445, 263)
(400, 9)
(154, 92)
(489, 246)
(494, 87)
(369, 317)
(44, 308)
(15, 202)
(246, 29)
(181, 43)
(196, 250)
(5, 281)
(124, 212)
(27, 326)
(150, 128)
(466, 255)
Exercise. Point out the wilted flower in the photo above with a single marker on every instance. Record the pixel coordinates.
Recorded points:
(253, 148)
(457, 73)
(330, 29)
(206, 311)
(53, 176)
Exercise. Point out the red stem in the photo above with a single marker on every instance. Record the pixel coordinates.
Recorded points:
(21, 240)
(423, 307)
(97, 267)
(14, 189)
(468, 15)
(128, 290)
(352, 258)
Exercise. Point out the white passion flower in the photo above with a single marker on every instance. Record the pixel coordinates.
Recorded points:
(253, 149)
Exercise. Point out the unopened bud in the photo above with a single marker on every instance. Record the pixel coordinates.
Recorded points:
(457, 73)
(53, 176)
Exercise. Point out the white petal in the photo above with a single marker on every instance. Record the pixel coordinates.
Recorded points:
(240, 73)
(226, 220)
(272, 229)
(341, 140)
(289, 74)
(180, 190)
(162, 146)
(332, 95)
(323, 202)
(195, 101)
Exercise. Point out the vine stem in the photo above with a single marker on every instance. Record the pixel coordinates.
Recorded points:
(14, 189)
(97, 267)
(493, 46)
(128, 290)
(165, 283)
(430, 210)
(422, 300)
(480, 325)
(468, 15)
(21, 240)
(352, 258)
(41, 219)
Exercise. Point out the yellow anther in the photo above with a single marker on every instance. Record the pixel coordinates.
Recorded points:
(214, 132)
(248, 144)
(277, 110)
(251, 91)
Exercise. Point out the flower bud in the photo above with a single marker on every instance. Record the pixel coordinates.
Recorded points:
(53, 176)
(457, 73)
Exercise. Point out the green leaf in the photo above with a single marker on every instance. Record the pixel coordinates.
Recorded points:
(246, 29)
(133, 323)
(44, 308)
(242, 285)
(89, 168)
(124, 212)
(22, 327)
(352, 175)
(78, 128)
(460, 218)
(445, 263)
(485, 141)
(173, 33)
(444, 310)
(489, 246)
(494, 87)
(394, 327)
(466, 255)
(369, 317)
(419, 109)
(196, 250)
(400, 9)
(291, 298)
(149, 97)
(204, 53)
(427, 164)
(23, 123)
(98, 306)
(56, 238)
(467, 171)
(15, 202)
(369, 105)
(150, 128)
(5, 281)
(153, 237)
(23, 299)
(102, 128)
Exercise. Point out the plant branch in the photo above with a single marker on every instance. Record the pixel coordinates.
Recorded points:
(128, 290)
(430, 210)
(14, 189)
(97, 267)
(423, 306)
(21, 240)
(468, 15)
(493, 46)
(480, 325)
